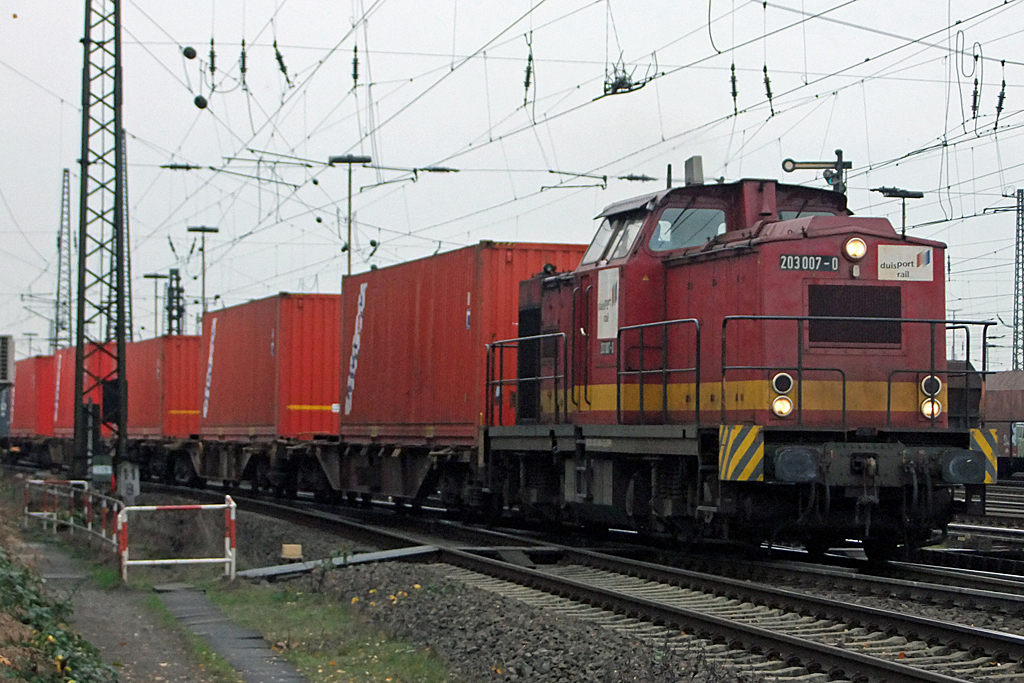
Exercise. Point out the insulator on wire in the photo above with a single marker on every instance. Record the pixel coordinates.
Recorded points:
(974, 101)
(213, 60)
(529, 70)
(768, 90)
(242, 68)
(280, 63)
(1002, 98)
(735, 92)
(355, 66)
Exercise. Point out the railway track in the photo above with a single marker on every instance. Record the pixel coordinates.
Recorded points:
(748, 626)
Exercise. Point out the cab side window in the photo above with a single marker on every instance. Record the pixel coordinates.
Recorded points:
(679, 228)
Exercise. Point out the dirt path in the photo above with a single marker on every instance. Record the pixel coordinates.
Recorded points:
(129, 634)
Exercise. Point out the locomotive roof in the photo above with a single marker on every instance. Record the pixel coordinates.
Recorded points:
(730, 192)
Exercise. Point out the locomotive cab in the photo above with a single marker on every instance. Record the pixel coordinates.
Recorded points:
(747, 360)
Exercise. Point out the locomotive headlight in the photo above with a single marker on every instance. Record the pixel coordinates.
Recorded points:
(931, 386)
(931, 408)
(782, 406)
(855, 248)
(782, 383)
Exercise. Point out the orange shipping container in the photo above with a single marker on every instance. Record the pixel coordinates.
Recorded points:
(34, 406)
(99, 364)
(414, 335)
(270, 368)
(163, 387)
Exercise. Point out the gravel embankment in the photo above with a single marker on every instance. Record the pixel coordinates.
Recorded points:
(487, 637)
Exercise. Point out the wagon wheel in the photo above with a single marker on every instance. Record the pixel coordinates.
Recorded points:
(817, 547)
(182, 472)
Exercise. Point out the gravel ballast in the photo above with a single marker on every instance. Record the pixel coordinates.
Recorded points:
(483, 636)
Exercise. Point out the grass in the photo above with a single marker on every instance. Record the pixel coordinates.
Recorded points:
(326, 640)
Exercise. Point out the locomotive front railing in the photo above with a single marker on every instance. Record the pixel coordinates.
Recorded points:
(664, 371)
(966, 373)
(800, 368)
(496, 380)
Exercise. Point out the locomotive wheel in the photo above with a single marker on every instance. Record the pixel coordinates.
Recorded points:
(880, 550)
(817, 547)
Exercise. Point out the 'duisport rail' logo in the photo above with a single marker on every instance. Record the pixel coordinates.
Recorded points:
(905, 262)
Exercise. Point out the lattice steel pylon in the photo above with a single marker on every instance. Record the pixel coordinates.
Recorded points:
(1018, 287)
(175, 298)
(100, 325)
(62, 330)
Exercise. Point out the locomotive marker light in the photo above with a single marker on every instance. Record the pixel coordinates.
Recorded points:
(782, 383)
(832, 170)
(931, 408)
(782, 406)
(931, 386)
(855, 249)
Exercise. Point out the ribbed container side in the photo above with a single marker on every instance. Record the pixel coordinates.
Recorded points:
(181, 383)
(98, 363)
(258, 358)
(309, 365)
(418, 369)
(144, 369)
(163, 387)
(34, 386)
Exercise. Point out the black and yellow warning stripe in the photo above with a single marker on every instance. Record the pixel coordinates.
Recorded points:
(985, 440)
(740, 453)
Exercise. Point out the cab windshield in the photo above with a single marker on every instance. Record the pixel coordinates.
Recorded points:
(614, 239)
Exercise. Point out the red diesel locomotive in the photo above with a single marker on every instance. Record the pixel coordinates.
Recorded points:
(747, 360)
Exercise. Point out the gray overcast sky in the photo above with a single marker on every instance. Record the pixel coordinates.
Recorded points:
(442, 83)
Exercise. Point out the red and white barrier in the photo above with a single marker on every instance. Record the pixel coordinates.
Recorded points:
(228, 560)
(70, 503)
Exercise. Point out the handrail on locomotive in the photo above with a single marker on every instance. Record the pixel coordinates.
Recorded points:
(496, 376)
(950, 325)
(495, 353)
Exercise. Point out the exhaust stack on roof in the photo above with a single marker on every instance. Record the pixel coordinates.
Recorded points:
(694, 171)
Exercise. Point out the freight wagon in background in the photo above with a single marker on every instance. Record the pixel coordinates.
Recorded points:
(5, 414)
(1004, 411)
(267, 391)
(414, 365)
(163, 401)
(33, 414)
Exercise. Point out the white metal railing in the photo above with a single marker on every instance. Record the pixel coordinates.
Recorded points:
(228, 560)
(71, 503)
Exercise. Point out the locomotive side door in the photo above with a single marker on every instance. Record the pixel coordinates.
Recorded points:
(583, 307)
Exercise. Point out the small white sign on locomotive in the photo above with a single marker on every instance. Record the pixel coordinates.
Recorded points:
(902, 262)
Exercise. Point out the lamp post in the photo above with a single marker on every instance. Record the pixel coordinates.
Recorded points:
(203, 230)
(900, 193)
(349, 159)
(156, 300)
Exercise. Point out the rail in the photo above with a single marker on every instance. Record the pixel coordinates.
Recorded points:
(664, 371)
(496, 380)
(230, 554)
(802, 323)
(71, 504)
